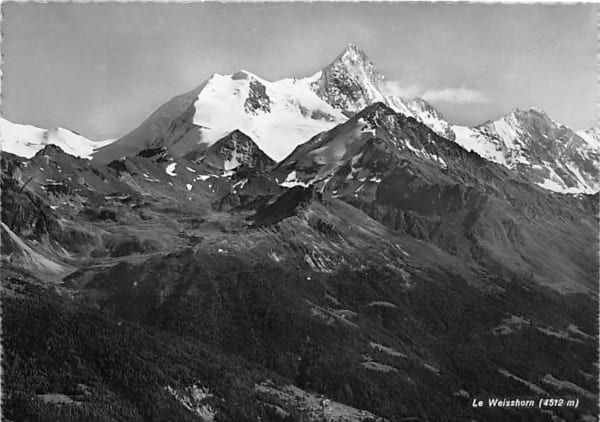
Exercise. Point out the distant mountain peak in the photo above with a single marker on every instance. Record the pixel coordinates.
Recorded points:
(547, 152)
(523, 112)
(353, 60)
(26, 140)
(350, 82)
(236, 133)
(234, 150)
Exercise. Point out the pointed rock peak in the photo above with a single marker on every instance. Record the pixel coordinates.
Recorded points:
(236, 149)
(353, 56)
(50, 149)
(237, 139)
(238, 132)
(351, 82)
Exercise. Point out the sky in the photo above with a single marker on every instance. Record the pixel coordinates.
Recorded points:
(101, 68)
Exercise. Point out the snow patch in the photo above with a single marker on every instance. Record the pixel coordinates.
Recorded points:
(387, 350)
(27, 140)
(193, 398)
(170, 170)
(291, 180)
(376, 366)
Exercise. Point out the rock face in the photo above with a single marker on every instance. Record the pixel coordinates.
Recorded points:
(547, 153)
(351, 83)
(234, 150)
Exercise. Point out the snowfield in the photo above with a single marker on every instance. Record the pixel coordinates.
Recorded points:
(293, 113)
(27, 140)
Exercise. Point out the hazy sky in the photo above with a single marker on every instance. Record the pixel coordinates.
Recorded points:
(100, 69)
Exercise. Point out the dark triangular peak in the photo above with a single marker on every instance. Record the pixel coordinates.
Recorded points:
(348, 137)
(375, 111)
(286, 205)
(54, 154)
(371, 144)
(234, 150)
(50, 149)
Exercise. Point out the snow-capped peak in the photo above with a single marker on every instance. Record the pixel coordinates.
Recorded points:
(547, 152)
(278, 115)
(26, 140)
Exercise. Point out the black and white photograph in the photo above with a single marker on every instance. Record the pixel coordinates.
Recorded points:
(299, 211)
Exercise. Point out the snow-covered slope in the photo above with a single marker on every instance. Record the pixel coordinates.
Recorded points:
(278, 115)
(591, 136)
(546, 152)
(27, 140)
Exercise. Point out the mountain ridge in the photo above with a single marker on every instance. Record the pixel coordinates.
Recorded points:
(26, 140)
(549, 153)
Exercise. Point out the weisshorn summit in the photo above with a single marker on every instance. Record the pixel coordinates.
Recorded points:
(312, 249)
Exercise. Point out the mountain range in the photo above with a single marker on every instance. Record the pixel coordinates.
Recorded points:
(300, 250)
(280, 115)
